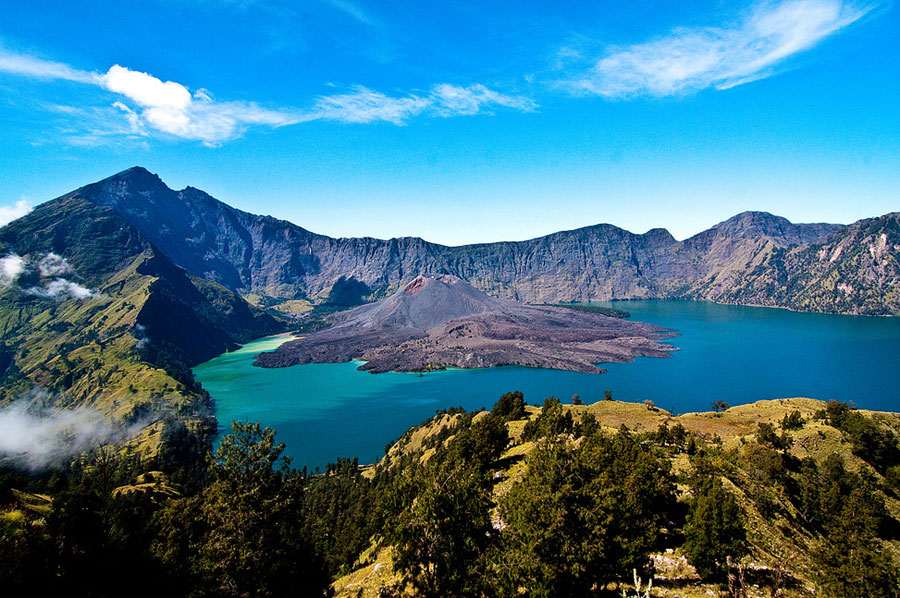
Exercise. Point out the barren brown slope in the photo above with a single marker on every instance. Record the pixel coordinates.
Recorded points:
(441, 321)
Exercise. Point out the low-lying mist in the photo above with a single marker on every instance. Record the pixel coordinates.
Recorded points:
(35, 436)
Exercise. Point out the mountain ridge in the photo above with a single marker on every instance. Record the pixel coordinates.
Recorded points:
(272, 261)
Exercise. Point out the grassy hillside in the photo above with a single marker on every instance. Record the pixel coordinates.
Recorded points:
(761, 478)
(786, 498)
(95, 316)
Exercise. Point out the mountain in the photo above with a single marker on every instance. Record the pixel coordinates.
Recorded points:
(93, 313)
(856, 270)
(439, 321)
(753, 257)
(271, 261)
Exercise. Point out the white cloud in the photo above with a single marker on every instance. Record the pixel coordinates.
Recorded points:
(38, 437)
(364, 105)
(53, 265)
(150, 105)
(11, 267)
(60, 287)
(688, 60)
(10, 213)
(170, 108)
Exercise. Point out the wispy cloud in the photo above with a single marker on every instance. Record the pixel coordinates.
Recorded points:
(363, 105)
(353, 10)
(688, 60)
(150, 105)
(60, 287)
(452, 100)
(35, 436)
(16, 210)
(31, 66)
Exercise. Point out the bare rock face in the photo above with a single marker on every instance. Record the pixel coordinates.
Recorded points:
(439, 321)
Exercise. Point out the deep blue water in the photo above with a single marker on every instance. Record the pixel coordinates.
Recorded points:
(736, 354)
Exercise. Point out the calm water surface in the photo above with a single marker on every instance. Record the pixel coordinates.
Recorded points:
(736, 354)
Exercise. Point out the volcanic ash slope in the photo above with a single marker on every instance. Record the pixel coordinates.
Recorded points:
(439, 321)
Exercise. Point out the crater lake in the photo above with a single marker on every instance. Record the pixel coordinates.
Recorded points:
(736, 354)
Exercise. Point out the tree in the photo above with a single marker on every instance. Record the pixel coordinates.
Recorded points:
(714, 529)
(510, 406)
(793, 421)
(243, 533)
(439, 522)
(765, 434)
(719, 405)
(583, 517)
(553, 420)
(852, 562)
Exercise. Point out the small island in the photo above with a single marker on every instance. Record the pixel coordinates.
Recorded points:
(440, 321)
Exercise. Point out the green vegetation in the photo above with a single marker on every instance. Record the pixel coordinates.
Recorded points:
(581, 518)
(127, 348)
(714, 531)
(559, 501)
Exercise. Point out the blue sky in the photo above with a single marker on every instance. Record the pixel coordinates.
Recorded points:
(463, 121)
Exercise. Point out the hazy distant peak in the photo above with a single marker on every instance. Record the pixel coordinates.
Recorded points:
(659, 234)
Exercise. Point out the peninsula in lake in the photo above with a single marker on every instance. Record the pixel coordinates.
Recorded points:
(439, 321)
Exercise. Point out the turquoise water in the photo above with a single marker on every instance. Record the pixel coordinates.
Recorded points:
(736, 354)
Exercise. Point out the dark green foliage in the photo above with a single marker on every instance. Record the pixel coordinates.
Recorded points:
(340, 514)
(510, 406)
(719, 405)
(765, 434)
(852, 562)
(243, 534)
(90, 542)
(792, 421)
(878, 446)
(439, 522)
(583, 517)
(676, 436)
(553, 420)
(714, 530)
(587, 425)
(849, 517)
